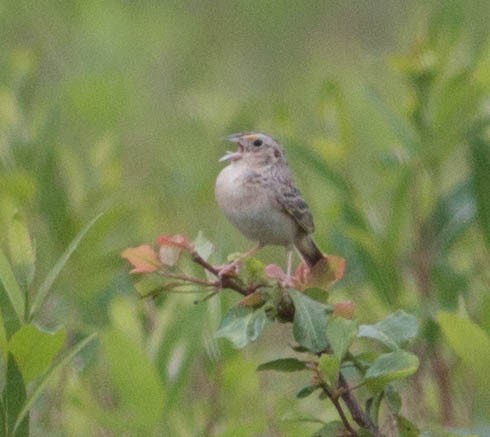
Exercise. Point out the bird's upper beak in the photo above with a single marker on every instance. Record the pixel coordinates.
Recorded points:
(234, 156)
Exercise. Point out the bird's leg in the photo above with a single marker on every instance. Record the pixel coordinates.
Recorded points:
(288, 282)
(228, 268)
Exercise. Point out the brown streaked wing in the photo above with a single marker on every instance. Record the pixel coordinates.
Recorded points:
(293, 203)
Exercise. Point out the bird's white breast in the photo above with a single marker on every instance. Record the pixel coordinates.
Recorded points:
(252, 208)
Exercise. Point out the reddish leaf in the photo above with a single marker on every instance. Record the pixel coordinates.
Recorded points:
(337, 264)
(326, 272)
(180, 241)
(273, 271)
(344, 309)
(143, 258)
(302, 276)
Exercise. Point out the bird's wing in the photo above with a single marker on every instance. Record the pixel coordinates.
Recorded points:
(289, 197)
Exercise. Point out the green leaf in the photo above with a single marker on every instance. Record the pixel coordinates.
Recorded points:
(380, 269)
(405, 133)
(310, 322)
(14, 398)
(394, 331)
(454, 107)
(330, 366)
(253, 270)
(452, 215)
(470, 343)
(203, 246)
(284, 365)
(150, 284)
(34, 350)
(38, 389)
(449, 284)
(15, 294)
(3, 338)
(341, 333)
(331, 429)
(406, 428)
(318, 294)
(242, 325)
(3, 414)
(306, 391)
(138, 386)
(295, 416)
(45, 287)
(399, 211)
(389, 367)
(317, 163)
(372, 406)
(21, 250)
(480, 154)
(125, 319)
(393, 399)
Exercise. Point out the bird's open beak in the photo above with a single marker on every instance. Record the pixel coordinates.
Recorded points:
(234, 156)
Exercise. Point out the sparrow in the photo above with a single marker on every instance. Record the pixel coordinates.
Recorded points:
(258, 195)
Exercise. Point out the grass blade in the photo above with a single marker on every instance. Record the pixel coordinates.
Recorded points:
(14, 292)
(401, 128)
(44, 380)
(45, 287)
(480, 154)
(14, 398)
(317, 163)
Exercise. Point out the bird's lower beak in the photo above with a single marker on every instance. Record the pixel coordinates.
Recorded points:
(233, 156)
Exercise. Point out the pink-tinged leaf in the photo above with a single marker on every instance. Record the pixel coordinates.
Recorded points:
(326, 272)
(337, 264)
(180, 241)
(143, 258)
(344, 309)
(302, 276)
(169, 255)
(273, 271)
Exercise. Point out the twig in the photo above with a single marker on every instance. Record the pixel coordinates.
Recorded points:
(334, 397)
(335, 401)
(189, 279)
(424, 260)
(359, 416)
(343, 391)
(440, 367)
(224, 281)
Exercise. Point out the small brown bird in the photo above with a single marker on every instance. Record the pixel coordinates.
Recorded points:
(258, 195)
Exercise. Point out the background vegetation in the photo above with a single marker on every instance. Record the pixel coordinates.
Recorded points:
(121, 107)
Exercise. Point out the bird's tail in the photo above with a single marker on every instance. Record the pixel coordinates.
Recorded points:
(309, 251)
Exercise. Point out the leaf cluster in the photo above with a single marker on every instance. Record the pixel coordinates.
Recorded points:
(327, 340)
(29, 354)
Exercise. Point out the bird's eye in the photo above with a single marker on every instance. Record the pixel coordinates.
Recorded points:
(257, 143)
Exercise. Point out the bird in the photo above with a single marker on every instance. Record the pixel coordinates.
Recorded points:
(257, 193)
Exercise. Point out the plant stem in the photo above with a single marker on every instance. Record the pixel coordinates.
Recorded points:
(225, 281)
(338, 406)
(359, 416)
(441, 370)
(335, 401)
(191, 279)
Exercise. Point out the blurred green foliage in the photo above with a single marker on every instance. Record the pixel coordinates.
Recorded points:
(120, 107)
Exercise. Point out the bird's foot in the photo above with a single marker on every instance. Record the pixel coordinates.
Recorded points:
(231, 269)
(288, 282)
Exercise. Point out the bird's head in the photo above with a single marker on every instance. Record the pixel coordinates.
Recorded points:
(255, 148)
